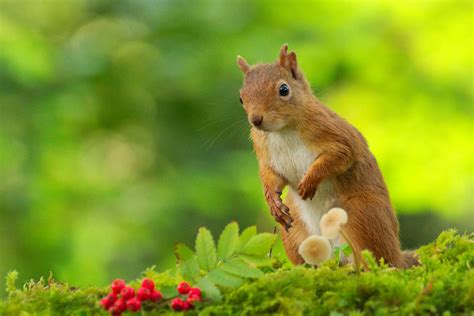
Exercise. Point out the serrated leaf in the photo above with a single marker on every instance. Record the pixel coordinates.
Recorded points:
(228, 241)
(240, 268)
(220, 277)
(209, 289)
(246, 235)
(257, 261)
(206, 250)
(182, 252)
(189, 269)
(259, 245)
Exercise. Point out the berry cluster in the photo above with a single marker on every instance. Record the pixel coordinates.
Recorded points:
(193, 296)
(124, 298)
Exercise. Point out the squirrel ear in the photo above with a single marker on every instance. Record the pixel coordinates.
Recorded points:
(242, 63)
(288, 61)
(282, 60)
(293, 65)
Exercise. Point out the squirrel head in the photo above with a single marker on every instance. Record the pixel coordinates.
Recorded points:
(273, 94)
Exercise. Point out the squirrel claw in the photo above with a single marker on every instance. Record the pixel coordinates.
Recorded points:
(284, 218)
(279, 211)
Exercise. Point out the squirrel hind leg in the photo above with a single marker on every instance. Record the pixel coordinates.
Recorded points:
(372, 226)
(293, 238)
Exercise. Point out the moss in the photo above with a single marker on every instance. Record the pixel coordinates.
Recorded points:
(442, 284)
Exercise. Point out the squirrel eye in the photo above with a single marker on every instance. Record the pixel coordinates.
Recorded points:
(241, 102)
(284, 90)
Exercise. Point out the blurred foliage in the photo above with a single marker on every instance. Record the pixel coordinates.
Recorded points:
(121, 131)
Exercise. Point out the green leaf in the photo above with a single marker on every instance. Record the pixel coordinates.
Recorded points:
(189, 269)
(205, 250)
(337, 251)
(169, 291)
(228, 241)
(240, 268)
(209, 289)
(258, 261)
(248, 233)
(259, 245)
(220, 277)
(346, 249)
(182, 252)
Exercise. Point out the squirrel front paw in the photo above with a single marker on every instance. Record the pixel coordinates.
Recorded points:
(307, 188)
(279, 211)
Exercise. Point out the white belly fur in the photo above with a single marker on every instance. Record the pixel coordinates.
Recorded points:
(291, 158)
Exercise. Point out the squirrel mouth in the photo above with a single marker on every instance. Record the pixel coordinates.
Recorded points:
(261, 128)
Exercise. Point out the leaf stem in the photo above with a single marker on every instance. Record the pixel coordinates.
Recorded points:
(271, 248)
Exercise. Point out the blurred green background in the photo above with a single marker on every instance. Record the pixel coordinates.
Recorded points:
(121, 130)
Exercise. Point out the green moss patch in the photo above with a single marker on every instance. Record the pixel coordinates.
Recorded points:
(443, 284)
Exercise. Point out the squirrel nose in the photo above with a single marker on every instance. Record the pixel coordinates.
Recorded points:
(257, 120)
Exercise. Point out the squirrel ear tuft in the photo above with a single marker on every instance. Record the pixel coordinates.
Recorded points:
(242, 63)
(288, 61)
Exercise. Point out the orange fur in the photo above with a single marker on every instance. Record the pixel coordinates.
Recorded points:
(342, 161)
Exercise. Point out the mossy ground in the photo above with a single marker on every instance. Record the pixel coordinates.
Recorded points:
(443, 284)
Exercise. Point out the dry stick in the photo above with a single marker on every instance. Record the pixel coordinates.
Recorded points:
(356, 257)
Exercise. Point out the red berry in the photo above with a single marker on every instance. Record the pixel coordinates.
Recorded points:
(117, 286)
(183, 288)
(119, 306)
(134, 304)
(177, 304)
(195, 291)
(149, 284)
(113, 311)
(156, 296)
(127, 293)
(192, 297)
(187, 305)
(143, 294)
(107, 301)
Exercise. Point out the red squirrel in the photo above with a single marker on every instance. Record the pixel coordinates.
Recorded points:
(324, 161)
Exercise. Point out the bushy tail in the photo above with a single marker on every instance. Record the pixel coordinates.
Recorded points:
(411, 258)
